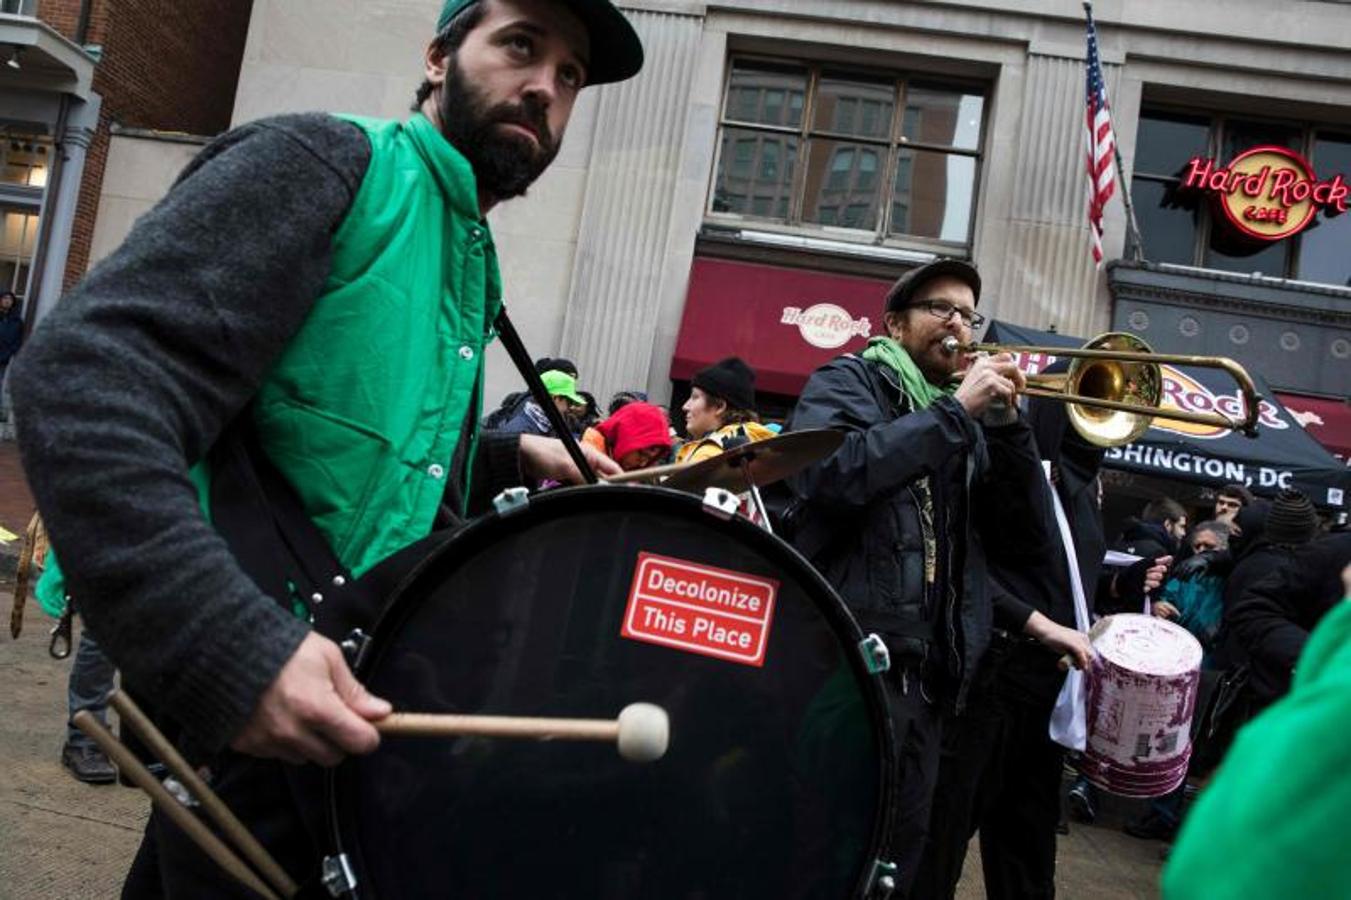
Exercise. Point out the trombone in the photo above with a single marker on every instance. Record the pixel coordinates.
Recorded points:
(1114, 387)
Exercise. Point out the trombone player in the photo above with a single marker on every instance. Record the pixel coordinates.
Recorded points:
(930, 479)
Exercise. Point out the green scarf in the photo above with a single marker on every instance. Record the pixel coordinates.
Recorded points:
(886, 352)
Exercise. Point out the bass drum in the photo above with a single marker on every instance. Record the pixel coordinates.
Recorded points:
(576, 604)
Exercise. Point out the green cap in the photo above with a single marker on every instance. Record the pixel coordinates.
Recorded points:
(561, 384)
(616, 51)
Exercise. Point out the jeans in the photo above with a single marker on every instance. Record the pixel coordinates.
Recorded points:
(91, 683)
(1169, 807)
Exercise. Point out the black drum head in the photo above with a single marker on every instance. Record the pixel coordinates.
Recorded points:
(587, 601)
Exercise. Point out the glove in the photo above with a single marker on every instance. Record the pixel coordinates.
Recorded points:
(998, 414)
(1207, 562)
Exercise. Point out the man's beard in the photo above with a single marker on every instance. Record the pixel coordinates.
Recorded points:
(504, 163)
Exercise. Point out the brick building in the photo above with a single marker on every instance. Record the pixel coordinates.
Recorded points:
(74, 73)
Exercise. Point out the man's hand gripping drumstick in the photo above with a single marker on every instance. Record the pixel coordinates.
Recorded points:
(316, 711)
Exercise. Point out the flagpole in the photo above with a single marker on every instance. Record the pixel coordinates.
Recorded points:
(1133, 240)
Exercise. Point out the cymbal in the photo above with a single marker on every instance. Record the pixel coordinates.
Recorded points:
(760, 462)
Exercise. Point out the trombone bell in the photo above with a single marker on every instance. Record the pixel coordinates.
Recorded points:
(1134, 383)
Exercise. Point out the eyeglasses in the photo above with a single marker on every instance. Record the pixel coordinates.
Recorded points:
(942, 309)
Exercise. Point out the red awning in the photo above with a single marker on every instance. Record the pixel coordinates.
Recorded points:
(1326, 421)
(783, 322)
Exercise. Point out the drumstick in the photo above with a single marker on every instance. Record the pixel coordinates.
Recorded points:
(642, 730)
(234, 829)
(211, 845)
(653, 473)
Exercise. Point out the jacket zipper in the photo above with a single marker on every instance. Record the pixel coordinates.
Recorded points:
(923, 498)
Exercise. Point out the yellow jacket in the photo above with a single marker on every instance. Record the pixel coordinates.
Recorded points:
(711, 444)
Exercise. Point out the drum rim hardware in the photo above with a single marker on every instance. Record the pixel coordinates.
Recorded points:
(337, 876)
(512, 500)
(721, 503)
(875, 654)
(882, 879)
(354, 646)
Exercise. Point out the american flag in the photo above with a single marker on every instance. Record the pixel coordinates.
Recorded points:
(1101, 146)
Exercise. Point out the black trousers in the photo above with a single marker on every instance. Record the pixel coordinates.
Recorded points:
(918, 729)
(267, 800)
(999, 775)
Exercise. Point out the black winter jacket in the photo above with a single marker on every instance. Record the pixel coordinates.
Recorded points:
(908, 491)
(1273, 616)
(1125, 590)
(1041, 583)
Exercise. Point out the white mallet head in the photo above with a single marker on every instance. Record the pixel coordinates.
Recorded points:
(644, 732)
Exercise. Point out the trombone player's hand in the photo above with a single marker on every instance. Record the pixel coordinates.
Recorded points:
(990, 382)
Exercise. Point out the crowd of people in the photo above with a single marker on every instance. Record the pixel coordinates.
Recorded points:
(937, 462)
(162, 410)
(719, 415)
(1212, 566)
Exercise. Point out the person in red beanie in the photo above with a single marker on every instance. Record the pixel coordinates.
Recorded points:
(636, 436)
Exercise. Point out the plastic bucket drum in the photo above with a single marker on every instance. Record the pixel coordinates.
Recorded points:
(1142, 686)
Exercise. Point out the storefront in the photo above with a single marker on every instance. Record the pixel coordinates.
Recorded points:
(837, 167)
(47, 112)
(1245, 231)
(776, 155)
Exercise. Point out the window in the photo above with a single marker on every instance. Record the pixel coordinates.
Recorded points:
(18, 240)
(25, 165)
(25, 160)
(889, 155)
(1183, 226)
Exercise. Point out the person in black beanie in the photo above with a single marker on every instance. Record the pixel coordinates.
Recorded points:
(1290, 523)
(720, 413)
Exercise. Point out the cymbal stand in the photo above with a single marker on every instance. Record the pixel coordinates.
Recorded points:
(757, 502)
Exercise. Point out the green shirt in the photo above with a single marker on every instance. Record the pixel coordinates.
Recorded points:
(1275, 822)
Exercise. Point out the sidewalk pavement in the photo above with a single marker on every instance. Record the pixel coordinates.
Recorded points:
(16, 504)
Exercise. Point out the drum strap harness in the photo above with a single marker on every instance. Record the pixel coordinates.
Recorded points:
(262, 520)
(276, 542)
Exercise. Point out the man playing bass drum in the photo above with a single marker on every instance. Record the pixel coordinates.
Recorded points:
(331, 283)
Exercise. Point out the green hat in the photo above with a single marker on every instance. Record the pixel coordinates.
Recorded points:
(561, 384)
(616, 51)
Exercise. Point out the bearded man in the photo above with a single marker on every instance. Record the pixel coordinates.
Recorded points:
(329, 285)
(937, 471)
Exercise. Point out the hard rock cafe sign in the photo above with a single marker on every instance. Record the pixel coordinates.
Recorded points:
(826, 325)
(1267, 192)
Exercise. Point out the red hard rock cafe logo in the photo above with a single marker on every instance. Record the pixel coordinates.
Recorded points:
(1267, 192)
(1184, 393)
(826, 325)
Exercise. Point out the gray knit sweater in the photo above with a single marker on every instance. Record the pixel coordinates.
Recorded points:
(131, 379)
